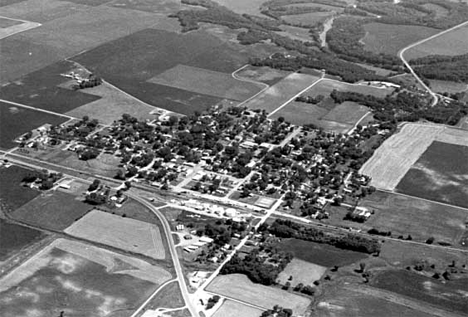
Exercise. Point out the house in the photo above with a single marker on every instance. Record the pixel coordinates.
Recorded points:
(206, 239)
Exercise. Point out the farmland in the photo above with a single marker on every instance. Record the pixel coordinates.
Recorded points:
(278, 94)
(234, 309)
(14, 237)
(391, 38)
(79, 277)
(442, 86)
(302, 272)
(267, 75)
(440, 174)
(239, 287)
(325, 88)
(6, 23)
(15, 121)
(452, 43)
(307, 19)
(53, 210)
(12, 194)
(320, 254)
(120, 232)
(206, 82)
(243, 6)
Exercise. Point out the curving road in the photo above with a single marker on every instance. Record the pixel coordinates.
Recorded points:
(402, 51)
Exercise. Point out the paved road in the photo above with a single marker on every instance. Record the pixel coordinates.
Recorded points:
(401, 55)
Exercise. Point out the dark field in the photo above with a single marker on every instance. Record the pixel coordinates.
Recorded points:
(321, 254)
(448, 295)
(12, 194)
(14, 237)
(15, 121)
(54, 211)
(440, 174)
(88, 2)
(139, 57)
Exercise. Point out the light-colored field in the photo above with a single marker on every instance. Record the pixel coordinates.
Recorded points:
(280, 93)
(326, 86)
(398, 153)
(243, 6)
(207, 82)
(238, 286)
(390, 38)
(442, 86)
(302, 272)
(347, 112)
(119, 232)
(453, 136)
(17, 28)
(262, 74)
(295, 33)
(235, 309)
(112, 105)
(301, 113)
(452, 43)
(307, 19)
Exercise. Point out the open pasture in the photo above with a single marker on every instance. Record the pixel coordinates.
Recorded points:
(403, 215)
(52, 210)
(320, 254)
(160, 6)
(243, 6)
(234, 309)
(12, 194)
(398, 153)
(451, 87)
(391, 38)
(295, 33)
(15, 28)
(238, 286)
(347, 112)
(302, 272)
(15, 121)
(282, 92)
(14, 237)
(120, 232)
(307, 19)
(80, 280)
(326, 86)
(452, 43)
(301, 113)
(264, 74)
(440, 174)
(207, 82)
(6, 23)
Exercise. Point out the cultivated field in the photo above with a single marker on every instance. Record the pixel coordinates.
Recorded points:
(398, 153)
(81, 280)
(451, 43)
(302, 272)
(243, 6)
(280, 93)
(325, 88)
(206, 82)
(391, 38)
(119, 232)
(301, 113)
(440, 174)
(13, 27)
(239, 287)
(15, 121)
(14, 237)
(347, 112)
(263, 74)
(235, 309)
(12, 194)
(52, 210)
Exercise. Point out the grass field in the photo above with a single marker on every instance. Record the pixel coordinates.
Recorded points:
(452, 43)
(6, 23)
(234, 309)
(120, 232)
(442, 86)
(239, 287)
(15, 237)
(295, 33)
(450, 295)
(15, 121)
(391, 38)
(267, 75)
(53, 210)
(320, 254)
(301, 113)
(12, 194)
(302, 272)
(168, 297)
(440, 174)
(307, 19)
(81, 280)
(243, 6)
(206, 82)
(398, 153)
(278, 94)
(325, 88)
(347, 112)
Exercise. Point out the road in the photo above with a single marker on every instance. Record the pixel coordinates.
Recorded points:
(401, 55)
(37, 109)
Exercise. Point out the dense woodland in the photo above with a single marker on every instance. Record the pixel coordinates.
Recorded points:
(450, 68)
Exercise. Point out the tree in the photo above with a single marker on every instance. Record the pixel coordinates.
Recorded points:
(94, 185)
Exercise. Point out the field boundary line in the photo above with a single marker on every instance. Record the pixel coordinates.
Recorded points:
(38, 109)
(19, 28)
(234, 75)
(136, 312)
(237, 300)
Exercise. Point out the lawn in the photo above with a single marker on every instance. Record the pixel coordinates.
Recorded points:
(448, 295)
(207, 82)
(391, 38)
(120, 232)
(81, 280)
(15, 121)
(52, 210)
(320, 254)
(282, 92)
(302, 272)
(14, 237)
(238, 286)
(234, 309)
(440, 174)
(12, 194)
(452, 43)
